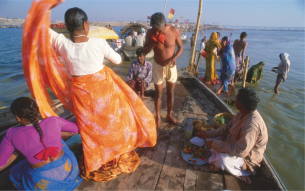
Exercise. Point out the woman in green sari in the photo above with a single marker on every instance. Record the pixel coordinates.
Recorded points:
(255, 73)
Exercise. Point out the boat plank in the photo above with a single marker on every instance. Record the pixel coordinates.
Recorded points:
(175, 147)
(150, 178)
(171, 178)
(190, 180)
(138, 173)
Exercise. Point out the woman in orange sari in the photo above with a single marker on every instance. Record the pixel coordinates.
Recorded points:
(211, 49)
(112, 119)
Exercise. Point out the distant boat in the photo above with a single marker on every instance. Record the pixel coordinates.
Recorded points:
(183, 38)
(11, 26)
(129, 52)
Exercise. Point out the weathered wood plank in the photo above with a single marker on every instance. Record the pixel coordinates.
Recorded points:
(150, 178)
(176, 145)
(138, 173)
(88, 185)
(190, 180)
(209, 181)
(171, 178)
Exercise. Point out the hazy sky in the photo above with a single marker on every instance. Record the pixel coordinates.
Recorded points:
(273, 13)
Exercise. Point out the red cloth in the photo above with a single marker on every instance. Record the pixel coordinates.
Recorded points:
(47, 153)
(159, 38)
(204, 54)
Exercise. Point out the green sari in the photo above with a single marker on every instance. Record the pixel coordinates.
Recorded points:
(255, 73)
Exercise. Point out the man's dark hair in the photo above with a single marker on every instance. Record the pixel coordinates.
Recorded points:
(139, 32)
(139, 51)
(157, 20)
(243, 35)
(218, 33)
(130, 33)
(248, 98)
(193, 34)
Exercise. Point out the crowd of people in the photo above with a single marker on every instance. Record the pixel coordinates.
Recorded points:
(232, 63)
(111, 118)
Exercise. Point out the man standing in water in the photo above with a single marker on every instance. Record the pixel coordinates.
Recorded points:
(162, 38)
(192, 40)
(240, 46)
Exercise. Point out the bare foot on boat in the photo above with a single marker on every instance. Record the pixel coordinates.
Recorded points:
(171, 120)
(208, 82)
(218, 92)
(213, 168)
(158, 121)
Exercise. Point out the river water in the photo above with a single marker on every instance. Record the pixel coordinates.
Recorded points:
(283, 113)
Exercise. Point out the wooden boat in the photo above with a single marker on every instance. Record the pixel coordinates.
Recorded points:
(133, 27)
(129, 53)
(162, 167)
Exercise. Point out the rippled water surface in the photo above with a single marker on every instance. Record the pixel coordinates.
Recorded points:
(283, 113)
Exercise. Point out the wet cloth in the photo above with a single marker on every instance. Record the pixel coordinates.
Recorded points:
(62, 174)
(164, 72)
(280, 79)
(126, 163)
(210, 72)
(283, 67)
(255, 73)
(245, 137)
(143, 72)
(228, 65)
(112, 119)
(26, 139)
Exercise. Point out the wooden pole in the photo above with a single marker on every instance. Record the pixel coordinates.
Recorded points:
(246, 71)
(196, 69)
(191, 65)
(164, 8)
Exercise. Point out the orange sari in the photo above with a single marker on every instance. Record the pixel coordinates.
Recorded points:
(112, 119)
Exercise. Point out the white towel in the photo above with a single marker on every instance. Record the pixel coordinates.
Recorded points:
(197, 141)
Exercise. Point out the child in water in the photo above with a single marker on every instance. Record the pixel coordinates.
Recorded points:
(282, 70)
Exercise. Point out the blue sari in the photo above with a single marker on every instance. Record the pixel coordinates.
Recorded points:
(62, 174)
(228, 65)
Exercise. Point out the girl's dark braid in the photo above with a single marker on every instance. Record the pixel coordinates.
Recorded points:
(32, 116)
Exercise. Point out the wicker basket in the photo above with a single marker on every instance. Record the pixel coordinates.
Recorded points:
(217, 124)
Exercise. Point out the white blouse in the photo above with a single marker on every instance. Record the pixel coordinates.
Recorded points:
(86, 57)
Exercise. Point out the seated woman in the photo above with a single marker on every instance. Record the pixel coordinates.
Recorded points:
(228, 64)
(49, 164)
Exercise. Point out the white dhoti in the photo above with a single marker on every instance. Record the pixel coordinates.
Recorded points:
(232, 164)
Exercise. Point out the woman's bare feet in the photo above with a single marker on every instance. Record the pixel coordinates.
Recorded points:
(171, 120)
(213, 168)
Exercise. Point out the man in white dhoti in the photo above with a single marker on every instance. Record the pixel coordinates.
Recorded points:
(239, 146)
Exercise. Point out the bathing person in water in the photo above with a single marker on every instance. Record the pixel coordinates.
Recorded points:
(281, 70)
